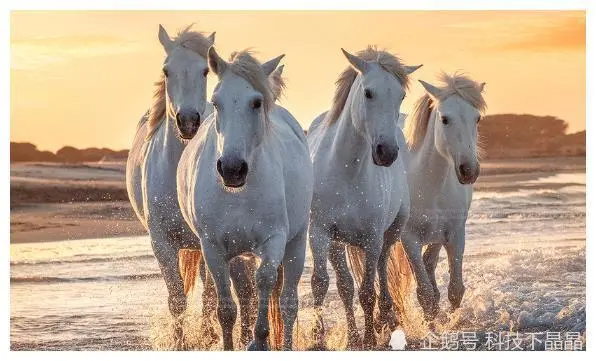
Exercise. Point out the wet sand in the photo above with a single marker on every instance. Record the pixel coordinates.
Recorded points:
(54, 201)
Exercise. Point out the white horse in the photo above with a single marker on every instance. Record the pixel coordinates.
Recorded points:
(442, 134)
(179, 106)
(361, 194)
(245, 186)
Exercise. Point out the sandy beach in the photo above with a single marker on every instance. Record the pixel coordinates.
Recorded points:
(78, 247)
(55, 201)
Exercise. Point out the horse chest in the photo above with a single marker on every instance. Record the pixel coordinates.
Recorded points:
(359, 207)
(239, 219)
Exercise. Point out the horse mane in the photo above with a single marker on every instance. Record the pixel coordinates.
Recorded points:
(457, 84)
(246, 66)
(192, 40)
(389, 62)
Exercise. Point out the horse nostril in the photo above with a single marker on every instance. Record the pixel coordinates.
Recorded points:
(197, 117)
(243, 169)
(219, 167)
(380, 150)
(464, 169)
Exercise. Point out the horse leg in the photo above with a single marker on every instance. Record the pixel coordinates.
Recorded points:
(455, 255)
(424, 290)
(226, 307)
(209, 300)
(242, 270)
(367, 294)
(388, 315)
(293, 265)
(431, 258)
(345, 288)
(271, 254)
(320, 241)
(167, 258)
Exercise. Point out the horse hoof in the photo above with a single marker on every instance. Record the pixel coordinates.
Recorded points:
(254, 346)
(319, 331)
(354, 342)
(179, 339)
(369, 342)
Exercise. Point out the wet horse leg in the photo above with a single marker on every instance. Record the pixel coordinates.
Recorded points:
(242, 271)
(345, 288)
(320, 241)
(167, 258)
(293, 265)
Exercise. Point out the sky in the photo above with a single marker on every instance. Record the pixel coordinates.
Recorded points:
(85, 78)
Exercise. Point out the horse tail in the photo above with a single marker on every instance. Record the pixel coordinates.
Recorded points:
(399, 279)
(399, 275)
(356, 259)
(188, 263)
(275, 320)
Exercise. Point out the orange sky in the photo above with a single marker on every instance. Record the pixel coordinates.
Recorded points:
(85, 78)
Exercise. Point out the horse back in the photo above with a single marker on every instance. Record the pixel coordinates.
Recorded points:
(134, 164)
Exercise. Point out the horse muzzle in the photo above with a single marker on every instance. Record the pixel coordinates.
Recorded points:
(233, 171)
(188, 121)
(467, 173)
(384, 154)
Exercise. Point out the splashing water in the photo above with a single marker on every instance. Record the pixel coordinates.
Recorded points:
(524, 270)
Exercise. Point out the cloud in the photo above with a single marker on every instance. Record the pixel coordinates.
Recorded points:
(568, 34)
(36, 53)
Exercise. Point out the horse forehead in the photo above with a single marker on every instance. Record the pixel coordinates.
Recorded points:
(183, 57)
(457, 106)
(234, 86)
(378, 77)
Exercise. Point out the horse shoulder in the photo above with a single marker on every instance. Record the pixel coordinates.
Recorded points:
(283, 114)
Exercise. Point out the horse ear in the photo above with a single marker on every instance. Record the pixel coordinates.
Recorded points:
(482, 87)
(432, 90)
(277, 72)
(269, 66)
(412, 68)
(357, 63)
(216, 63)
(211, 38)
(164, 38)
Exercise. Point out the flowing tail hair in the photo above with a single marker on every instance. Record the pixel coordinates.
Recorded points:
(399, 276)
(189, 261)
(275, 320)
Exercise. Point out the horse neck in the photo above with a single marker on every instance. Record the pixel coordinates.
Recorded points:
(350, 150)
(433, 168)
(166, 139)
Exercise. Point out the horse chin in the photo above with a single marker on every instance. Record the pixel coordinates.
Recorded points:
(380, 163)
(234, 184)
(185, 137)
(465, 180)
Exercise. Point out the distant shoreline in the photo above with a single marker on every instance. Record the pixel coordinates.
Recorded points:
(54, 201)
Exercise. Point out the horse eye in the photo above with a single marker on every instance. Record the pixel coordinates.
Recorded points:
(368, 94)
(404, 97)
(165, 71)
(256, 104)
(205, 72)
(478, 120)
(445, 120)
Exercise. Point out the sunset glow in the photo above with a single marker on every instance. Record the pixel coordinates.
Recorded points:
(85, 78)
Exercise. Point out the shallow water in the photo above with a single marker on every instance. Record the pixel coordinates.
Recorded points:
(524, 271)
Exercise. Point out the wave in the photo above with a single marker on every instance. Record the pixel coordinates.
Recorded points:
(44, 279)
(82, 260)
